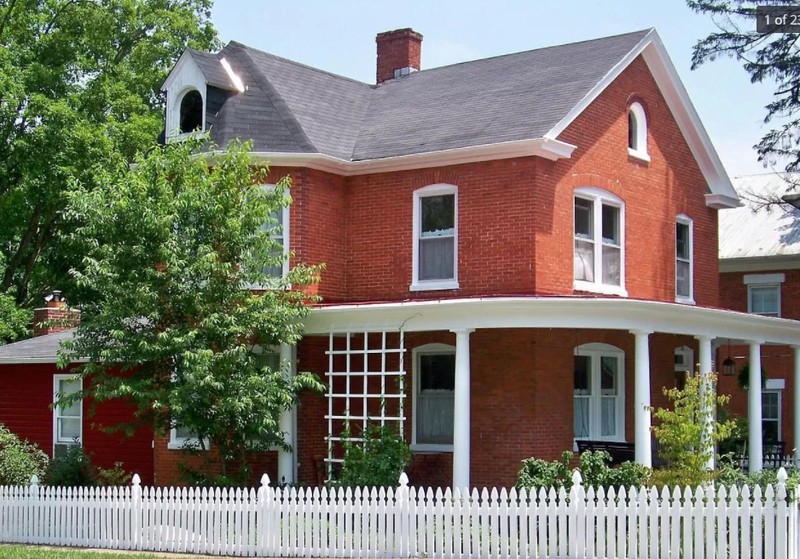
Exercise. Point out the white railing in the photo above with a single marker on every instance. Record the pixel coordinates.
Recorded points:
(409, 522)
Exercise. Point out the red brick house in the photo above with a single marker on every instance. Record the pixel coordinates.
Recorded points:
(518, 249)
(759, 263)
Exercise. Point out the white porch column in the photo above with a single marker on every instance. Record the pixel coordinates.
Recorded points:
(755, 444)
(286, 469)
(796, 410)
(461, 402)
(641, 398)
(705, 370)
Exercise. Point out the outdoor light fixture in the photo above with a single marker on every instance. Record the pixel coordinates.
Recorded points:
(729, 365)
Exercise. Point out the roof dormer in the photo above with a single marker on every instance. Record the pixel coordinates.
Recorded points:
(193, 78)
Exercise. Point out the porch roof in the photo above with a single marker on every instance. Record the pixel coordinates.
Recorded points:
(552, 312)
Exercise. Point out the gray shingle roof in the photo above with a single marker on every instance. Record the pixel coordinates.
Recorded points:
(747, 232)
(38, 348)
(290, 107)
(212, 69)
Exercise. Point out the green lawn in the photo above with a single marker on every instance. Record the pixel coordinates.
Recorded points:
(38, 552)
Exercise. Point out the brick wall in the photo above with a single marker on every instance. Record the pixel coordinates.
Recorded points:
(522, 399)
(515, 216)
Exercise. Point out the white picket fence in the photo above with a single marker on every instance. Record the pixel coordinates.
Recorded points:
(409, 522)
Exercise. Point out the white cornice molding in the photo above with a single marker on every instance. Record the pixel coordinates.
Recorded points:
(771, 263)
(552, 312)
(542, 147)
(722, 201)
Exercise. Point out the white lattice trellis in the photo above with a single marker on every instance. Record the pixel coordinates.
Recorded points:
(366, 384)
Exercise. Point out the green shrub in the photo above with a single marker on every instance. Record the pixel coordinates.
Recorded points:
(594, 468)
(19, 460)
(536, 473)
(114, 477)
(681, 430)
(73, 469)
(377, 461)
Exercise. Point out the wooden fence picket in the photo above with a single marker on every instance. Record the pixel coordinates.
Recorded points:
(405, 521)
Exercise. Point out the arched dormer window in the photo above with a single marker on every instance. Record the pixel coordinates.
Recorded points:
(191, 112)
(637, 132)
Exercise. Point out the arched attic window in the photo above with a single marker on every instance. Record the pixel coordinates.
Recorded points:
(191, 113)
(637, 132)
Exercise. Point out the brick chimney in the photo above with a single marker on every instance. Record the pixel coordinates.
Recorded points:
(399, 53)
(54, 316)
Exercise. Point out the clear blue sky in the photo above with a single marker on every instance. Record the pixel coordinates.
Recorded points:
(339, 36)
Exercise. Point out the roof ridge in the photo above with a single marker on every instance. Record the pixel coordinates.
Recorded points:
(642, 32)
(274, 97)
(300, 64)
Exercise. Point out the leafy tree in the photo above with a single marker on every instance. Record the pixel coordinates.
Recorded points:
(13, 320)
(764, 56)
(171, 323)
(688, 431)
(79, 90)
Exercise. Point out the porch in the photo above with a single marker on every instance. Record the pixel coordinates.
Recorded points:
(563, 326)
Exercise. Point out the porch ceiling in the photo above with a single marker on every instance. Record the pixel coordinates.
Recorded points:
(552, 312)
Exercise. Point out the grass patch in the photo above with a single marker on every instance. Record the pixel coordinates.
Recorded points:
(40, 552)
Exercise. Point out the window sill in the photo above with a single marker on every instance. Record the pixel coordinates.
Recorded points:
(602, 288)
(183, 136)
(421, 448)
(685, 300)
(640, 155)
(433, 285)
(181, 444)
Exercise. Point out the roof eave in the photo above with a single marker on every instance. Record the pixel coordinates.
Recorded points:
(722, 201)
(35, 360)
(765, 263)
(552, 312)
(547, 148)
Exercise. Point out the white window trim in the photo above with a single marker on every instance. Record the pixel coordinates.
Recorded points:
(688, 359)
(57, 412)
(685, 220)
(430, 285)
(598, 197)
(641, 132)
(179, 443)
(596, 350)
(764, 280)
(173, 133)
(285, 220)
(427, 349)
(777, 391)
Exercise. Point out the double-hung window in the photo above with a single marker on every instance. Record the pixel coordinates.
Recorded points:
(599, 256)
(771, 416)
(277, 265)
(278, 228)
(598, 390)
(67, 419)
(764, 293)
(435, 229)
(435, 370)
(683, 259)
